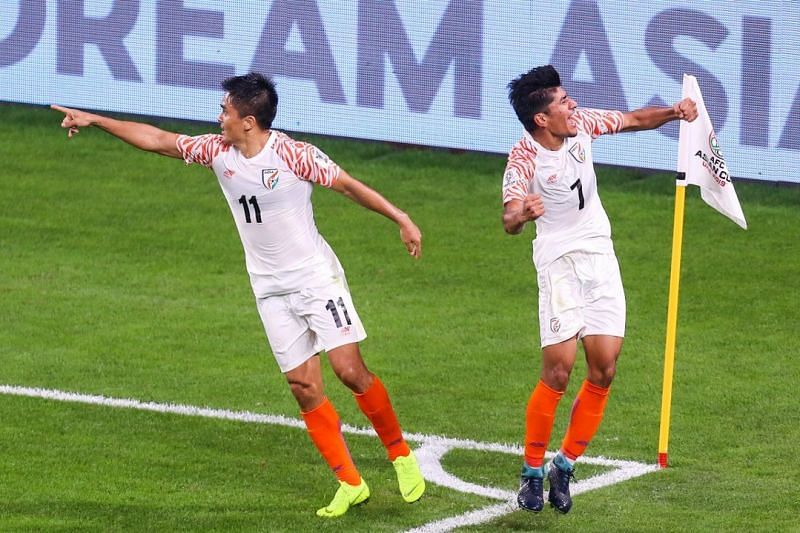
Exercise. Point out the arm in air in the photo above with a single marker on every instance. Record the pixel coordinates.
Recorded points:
(142, 136)
(650, 118)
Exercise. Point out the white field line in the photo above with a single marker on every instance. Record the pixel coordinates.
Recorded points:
(429, 453)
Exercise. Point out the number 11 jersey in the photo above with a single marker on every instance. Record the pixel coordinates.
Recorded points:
(269, 196)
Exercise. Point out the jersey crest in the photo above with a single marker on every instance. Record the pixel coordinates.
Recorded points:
(578, 153)
(269, 177)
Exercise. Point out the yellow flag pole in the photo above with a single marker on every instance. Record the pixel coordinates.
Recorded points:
(672, 318)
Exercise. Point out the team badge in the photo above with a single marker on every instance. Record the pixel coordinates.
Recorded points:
(578, 153)
(269, 177)
(555, 325)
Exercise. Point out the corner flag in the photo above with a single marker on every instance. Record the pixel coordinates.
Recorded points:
(700, 159)
(701, 163)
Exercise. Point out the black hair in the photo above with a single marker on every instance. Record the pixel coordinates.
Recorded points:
(532, 92)
(253, 94)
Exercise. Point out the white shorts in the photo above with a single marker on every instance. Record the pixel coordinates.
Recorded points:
(301, 324)
(581, 294)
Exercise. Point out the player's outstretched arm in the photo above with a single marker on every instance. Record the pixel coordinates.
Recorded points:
(649, 118)
(142, 136)
(371, 199)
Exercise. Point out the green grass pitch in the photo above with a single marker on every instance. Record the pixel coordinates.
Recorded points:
(121, 275)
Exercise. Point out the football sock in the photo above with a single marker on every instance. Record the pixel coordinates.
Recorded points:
(587, 413)
(539, 417)
(324, 427)
(375, 404)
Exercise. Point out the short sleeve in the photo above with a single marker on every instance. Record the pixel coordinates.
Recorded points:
(308, 162)
(519, 172)
(515, 181)
(201, 149)
(597, 122)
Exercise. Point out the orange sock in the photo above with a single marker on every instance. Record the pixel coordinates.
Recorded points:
(374, 402)
(587, 413)
(324, 428)
(539, 417)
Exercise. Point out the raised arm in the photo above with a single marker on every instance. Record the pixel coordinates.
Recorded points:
(142, 136)
(371, 199)
(649, 118)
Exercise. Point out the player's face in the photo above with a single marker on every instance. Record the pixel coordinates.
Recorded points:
(230, 122)
(560, 121)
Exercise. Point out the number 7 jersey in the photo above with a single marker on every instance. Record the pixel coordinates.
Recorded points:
(269, 196)
(574, 218)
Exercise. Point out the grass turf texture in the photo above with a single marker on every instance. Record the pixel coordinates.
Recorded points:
(121, 274)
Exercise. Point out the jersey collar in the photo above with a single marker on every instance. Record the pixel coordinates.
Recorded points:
(539, 147)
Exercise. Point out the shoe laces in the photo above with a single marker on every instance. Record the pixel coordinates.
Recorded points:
(565, 475)
(535, 485)
(405, 467)
(345, 494)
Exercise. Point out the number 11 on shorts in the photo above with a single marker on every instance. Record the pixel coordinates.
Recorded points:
(335, 313)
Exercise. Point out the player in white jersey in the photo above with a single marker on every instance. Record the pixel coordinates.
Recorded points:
(300, 288)
(550, 179)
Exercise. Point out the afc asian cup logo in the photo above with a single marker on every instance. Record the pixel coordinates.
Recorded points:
(510, 178)
(321, 159)
(714, 145)
(269, 177)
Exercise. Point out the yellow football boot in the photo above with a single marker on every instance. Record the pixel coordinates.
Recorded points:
(346, 497)
(409, 477)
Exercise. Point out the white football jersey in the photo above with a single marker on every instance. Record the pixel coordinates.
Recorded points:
(574, 218)
(270, 198)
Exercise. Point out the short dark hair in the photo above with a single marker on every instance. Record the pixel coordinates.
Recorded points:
(532, 92)
(253, 94)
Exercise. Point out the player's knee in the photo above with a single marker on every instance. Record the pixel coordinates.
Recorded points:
(356, 378)
(306, 393)
(557, 377)
(603, 376)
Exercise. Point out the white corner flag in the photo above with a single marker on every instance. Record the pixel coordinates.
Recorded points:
(701, 163)
(700, 159)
